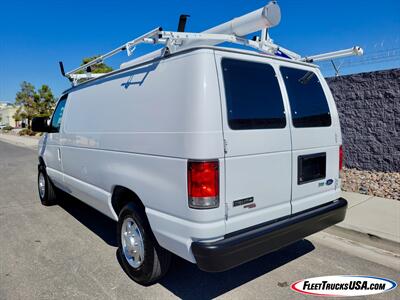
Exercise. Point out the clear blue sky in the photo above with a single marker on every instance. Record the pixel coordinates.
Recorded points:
(35, 35)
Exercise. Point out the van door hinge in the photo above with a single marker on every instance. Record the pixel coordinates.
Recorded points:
(225, 146)
(226, 211)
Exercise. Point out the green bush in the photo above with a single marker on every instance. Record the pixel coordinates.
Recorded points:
(27, 131)
(7, 128)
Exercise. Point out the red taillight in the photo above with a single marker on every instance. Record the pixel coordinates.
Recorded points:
(340, 158)
(203, 184)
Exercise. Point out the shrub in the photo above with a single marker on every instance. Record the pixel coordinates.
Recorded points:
(7, 128)
(27, 131)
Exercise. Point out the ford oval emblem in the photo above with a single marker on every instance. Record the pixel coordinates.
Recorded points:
(329, 181)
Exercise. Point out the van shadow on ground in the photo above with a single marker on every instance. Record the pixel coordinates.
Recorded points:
(187, 281)
(184, 279)
(98, 223)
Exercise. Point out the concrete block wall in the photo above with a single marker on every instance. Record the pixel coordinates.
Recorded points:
(369, 110)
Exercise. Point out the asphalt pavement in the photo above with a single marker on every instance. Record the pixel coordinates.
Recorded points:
(68, 251)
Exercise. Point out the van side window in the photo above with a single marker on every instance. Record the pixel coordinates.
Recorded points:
(307, 99)
(57, 115)
(253, 96)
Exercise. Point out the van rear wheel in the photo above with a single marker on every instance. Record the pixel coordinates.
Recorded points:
(141, 257)
(47, 191)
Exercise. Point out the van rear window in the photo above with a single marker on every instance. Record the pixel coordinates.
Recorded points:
(308, 103)
(253, 97)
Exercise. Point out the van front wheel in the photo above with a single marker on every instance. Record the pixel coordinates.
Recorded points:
(140, 255)
(47, 191)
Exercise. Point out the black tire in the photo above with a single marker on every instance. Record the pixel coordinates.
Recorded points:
(50, 196)
(156, 260)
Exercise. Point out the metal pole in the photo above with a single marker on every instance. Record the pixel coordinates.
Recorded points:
(100, 59)
(336, 54)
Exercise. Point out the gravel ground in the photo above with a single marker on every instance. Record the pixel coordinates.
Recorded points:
(380, 184)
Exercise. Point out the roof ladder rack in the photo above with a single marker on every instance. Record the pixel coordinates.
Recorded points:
(233, 31)
(356, 50)
(129, 47)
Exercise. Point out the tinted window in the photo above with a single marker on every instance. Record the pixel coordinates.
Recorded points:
(308, 103)
(253, 97)
(57, 115)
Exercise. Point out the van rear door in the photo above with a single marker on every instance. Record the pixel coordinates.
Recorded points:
(315, 138)
(257, 139)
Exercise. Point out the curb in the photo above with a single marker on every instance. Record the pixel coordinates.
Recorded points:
(20, 141)
(365, 238)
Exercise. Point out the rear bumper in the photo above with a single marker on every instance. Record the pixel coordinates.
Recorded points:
(245, 245)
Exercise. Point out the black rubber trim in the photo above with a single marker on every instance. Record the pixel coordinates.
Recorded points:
(245, 245)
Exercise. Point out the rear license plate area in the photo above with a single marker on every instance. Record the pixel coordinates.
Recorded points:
(311, 167)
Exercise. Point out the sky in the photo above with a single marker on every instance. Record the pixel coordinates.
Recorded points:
(35, 35)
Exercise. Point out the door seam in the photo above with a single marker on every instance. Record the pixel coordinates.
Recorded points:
(288, 114)
(225, 142)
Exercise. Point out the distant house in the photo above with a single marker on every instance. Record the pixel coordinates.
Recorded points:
(7, 111)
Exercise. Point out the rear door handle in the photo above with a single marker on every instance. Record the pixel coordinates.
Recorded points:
(59, 154)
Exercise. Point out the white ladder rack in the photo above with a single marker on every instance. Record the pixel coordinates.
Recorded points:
(261, 19)
(148, 37)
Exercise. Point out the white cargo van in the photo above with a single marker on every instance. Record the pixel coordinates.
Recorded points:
(217, 155)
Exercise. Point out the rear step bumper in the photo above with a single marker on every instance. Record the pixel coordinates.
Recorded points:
(245, 245)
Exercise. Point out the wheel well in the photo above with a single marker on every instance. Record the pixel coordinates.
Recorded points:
(122, 196)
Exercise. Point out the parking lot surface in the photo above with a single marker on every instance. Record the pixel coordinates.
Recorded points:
(68, 251)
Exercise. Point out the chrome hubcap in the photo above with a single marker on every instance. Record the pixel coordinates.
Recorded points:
(42, 185)
(132, 243)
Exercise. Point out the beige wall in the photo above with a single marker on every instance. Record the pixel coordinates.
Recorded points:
(6, 114)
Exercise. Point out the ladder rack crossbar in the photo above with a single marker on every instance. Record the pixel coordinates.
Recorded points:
(177, 40)
(335, 54)
(123, 47)
(75, 78)
(265, 45)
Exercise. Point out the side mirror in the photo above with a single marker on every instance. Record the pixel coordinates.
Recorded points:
(40, 124)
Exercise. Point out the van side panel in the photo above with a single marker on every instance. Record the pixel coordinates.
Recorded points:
(138, 129)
